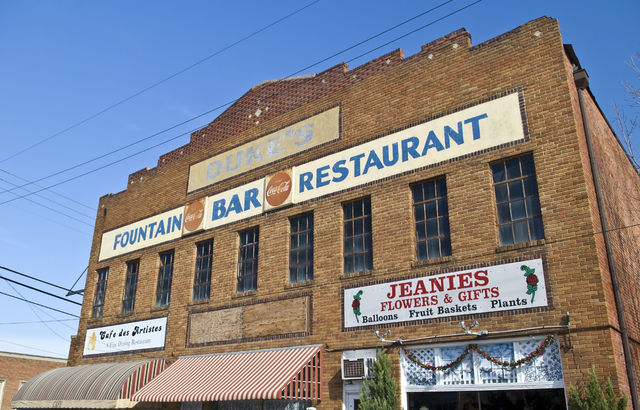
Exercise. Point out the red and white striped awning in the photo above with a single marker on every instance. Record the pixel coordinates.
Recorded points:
(102, 386)
(293, 373)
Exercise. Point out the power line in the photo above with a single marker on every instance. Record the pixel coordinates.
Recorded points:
(157, 83)
(53, 192)
(29, 347)
(48, 207)
(224, 105)
(41, 291)
(37, 315)
(34, 278)
(33, 322)
(38, 304)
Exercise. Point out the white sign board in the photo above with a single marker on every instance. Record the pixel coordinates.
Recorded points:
(511, 286)
(125, 337)
(142, 234)
(467, 131)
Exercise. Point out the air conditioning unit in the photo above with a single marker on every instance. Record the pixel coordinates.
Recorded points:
(356, 369)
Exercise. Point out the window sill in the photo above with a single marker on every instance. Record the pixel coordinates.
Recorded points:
(298, 285)
(200, 302)
(245, 294)
(430, 262)
(159, 308)
(522, 245)
(356, 275)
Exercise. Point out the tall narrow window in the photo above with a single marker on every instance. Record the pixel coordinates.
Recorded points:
(358, 247)
(301, 248)
(248, 260)
(101, 289)
(516, 189)
(431, 212)
(130, 287)
(202, 276)
(165, 275)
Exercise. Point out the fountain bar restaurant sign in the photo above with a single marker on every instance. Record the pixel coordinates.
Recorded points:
(313, 131)
(483, 126)
(510, 286)
(125, 337)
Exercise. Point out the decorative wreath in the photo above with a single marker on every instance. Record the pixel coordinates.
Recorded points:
(539, 351)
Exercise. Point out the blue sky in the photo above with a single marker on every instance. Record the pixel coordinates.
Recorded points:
(63, 62)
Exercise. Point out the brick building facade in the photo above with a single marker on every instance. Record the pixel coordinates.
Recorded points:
(410, 196)
(16, 369)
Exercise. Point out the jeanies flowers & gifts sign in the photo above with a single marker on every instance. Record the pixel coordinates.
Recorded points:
(510, 286)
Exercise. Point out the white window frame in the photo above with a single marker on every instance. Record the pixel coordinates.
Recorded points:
(3, 383)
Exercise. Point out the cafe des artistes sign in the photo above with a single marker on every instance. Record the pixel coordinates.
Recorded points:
(126, 337)
(510, 286)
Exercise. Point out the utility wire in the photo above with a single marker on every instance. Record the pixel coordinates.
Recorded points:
(157, 83)
(53, 192)
(38, 316)
(34, 278)
(39, 290)
(37, 304)
(222, 106)
(33, 348)
(75, 292)
(33, 322)
(48, 207)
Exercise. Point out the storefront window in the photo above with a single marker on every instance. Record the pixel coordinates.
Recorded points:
(466, 378)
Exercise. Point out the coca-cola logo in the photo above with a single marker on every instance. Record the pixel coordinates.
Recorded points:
(193, 215)
(278, 188)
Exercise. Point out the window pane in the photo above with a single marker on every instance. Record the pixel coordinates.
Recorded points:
(445, 246)
(501, 193)
(506, 236)
(416, 193)
(433, 246)
(498, 172)
(422, 250)
(444, 226)
(533, 207)
(513, 168)
(418, 211)
(431, 211)
(421, 230)
(518, 225)
(530, 186)
(248, 260)
(432, 228)
(517, 210)
(429, 190)
(536, 229)
(357, 249)
(504, 214)
(527, 165)
(520, 232)
(443, 207)
(515, 190)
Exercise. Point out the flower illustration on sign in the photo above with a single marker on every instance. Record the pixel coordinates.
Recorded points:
(356, 305)
(532, 281)
(92, 341)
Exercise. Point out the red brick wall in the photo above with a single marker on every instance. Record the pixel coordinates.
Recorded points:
(15, 368)
(377, 98)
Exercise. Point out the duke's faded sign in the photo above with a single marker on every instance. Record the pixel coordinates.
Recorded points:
(298, 137)
(510, 286)
(145, 334)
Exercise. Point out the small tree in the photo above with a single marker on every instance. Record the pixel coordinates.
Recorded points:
(379, 392)
(593, 398)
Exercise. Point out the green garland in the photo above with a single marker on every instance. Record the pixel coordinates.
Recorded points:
(539, 351)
